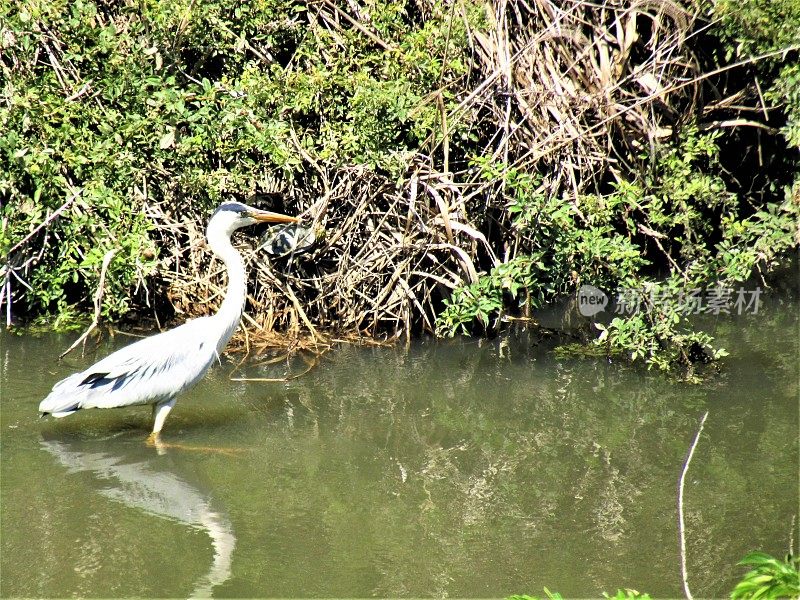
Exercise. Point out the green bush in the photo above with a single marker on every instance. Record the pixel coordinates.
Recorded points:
(110, 109)
(672, 216)
(119, 121)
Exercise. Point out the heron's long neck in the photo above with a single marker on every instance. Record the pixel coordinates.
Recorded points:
(230, 312)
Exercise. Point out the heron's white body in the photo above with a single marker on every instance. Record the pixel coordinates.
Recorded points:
(155, 370)
(149, 371)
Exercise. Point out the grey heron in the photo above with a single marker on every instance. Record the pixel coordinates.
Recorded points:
(155, 370)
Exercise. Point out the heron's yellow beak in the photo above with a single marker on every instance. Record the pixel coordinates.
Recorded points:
(266, 216)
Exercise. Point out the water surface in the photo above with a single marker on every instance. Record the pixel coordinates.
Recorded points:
(457, 469)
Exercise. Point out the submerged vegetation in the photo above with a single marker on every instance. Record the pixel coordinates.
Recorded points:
(469, 161)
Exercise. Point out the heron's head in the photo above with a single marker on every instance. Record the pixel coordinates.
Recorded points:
(230, 216)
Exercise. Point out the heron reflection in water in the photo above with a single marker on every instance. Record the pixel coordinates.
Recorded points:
(156, 369)
(138, 484)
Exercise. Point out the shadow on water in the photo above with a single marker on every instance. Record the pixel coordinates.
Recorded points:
(126, 473)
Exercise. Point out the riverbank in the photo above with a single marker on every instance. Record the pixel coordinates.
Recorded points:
(460, 164)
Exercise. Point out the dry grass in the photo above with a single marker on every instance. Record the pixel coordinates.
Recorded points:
(385, 254)
(578, 88)
(573, 90)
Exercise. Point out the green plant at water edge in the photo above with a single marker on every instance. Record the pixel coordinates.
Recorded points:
(122, 129)
(627, 594)
(678, 216)
(100, 221)
(768, 578)
(686, 228)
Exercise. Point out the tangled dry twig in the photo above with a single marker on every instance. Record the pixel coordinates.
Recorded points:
(571, 89)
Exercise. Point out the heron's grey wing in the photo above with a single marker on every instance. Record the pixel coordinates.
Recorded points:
(147, 371)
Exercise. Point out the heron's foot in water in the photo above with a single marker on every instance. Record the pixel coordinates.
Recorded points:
(154, 441)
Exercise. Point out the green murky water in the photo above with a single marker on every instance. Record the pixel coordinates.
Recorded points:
(456, 469)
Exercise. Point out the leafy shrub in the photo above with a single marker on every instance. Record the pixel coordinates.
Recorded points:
(122, 128)
(670, 216)
(768, 578)
(109, 112)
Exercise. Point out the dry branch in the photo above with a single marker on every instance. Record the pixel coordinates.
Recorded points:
(575, 91)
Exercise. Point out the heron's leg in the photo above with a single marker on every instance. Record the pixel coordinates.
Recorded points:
(160, 412)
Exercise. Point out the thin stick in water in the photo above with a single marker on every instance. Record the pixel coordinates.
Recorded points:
(681, 529)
